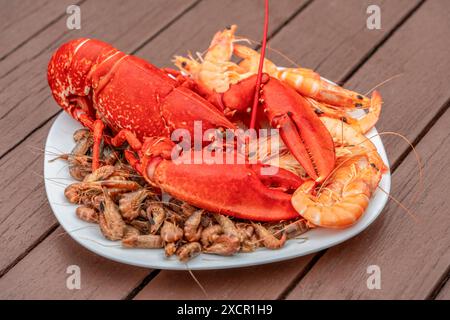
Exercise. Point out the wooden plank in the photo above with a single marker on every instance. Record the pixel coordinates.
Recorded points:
(25, 101)
(182, 284)
(21, 20)
(17, 228)
(331, 37)
(22, 169)
(24, 210)
(259, 282)
(100, 278)
(417, 54)
(422, 84)
(194, 33)
(412, 254)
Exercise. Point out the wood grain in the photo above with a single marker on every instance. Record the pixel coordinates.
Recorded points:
(335, 47)
(21, 20)
(417, 53)
(43, 273)
(23, 166)
(331, 36)
(24, 212)
(193, 32)
(259, 282)
(412, 252)
(185, 287)
(410, 103)
(25, 101)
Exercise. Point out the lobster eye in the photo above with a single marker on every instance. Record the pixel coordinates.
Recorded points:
(183, 64)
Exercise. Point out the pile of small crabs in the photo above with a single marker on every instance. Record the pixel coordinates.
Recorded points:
(127, 208)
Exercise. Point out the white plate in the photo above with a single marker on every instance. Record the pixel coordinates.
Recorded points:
(56, 175)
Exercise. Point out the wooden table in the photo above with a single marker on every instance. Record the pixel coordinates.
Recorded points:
(329, 36)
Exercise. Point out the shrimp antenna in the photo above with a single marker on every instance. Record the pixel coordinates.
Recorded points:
(383, 83)
(197, 282)
(281, 54)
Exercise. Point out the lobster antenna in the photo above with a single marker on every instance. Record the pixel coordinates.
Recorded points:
(261, 64)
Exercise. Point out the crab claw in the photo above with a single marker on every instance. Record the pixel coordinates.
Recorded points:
(239, 190)
(300, 128)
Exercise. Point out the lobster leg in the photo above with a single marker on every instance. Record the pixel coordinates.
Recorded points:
(134, 162)
(97, 134)
(128, 136)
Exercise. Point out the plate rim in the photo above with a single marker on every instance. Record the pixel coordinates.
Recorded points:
(228, 262)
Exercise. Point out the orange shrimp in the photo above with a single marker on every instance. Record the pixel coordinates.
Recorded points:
(215, 71)
(307, 82)
(345, 194)
(344, 135)
(362, 124)
(342, 201)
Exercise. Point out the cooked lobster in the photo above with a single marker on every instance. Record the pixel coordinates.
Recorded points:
(123, 98)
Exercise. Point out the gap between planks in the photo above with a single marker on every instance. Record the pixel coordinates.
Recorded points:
(442, 107)
(155, 272)
(402, 157)
(37, 32)
(54, 116)
(148, 40)
(45, 122)
(344, 79)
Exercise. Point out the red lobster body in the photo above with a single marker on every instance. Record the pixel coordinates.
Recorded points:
(125, 91)
(99, 85)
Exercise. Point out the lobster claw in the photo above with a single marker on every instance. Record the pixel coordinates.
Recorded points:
(300, 128)
(239, 190)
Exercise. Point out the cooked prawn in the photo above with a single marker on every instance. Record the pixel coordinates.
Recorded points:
(215, 71)
(343, 200)
(307, 82)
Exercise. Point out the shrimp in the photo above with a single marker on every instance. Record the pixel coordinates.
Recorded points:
(156, 215)
(362, 124)
(224, 245)
(87, 214)
(148, 241)
(170, 249)
(345, 194)
(130, 231)
(192, 231)
(227, 225)
(342, 200)
(296, 228)
(268, 239)
(215, 71)
(170, 232)
(189, 251)
(187, 210)
(144, 227)
(245, 231)
(347, 136)
(102, 173)
(81, 133)
(130, 204)
(305, 81)
(110, 219)
(79, 162)
(210, 234)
